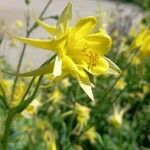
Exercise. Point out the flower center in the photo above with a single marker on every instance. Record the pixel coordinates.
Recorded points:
(82, 54)
(92, 59)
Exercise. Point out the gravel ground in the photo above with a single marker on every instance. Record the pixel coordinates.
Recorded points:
(12, 10)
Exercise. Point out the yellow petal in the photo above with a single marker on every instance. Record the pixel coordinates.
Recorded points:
(48, 28)
(40, 71)
(145, 49)
(44, 44)
(82, 76)
(84, 26)
(99, 42)
(115, 69)
(57, 71)
(140, 37)
(100, 68)
(69, 65)
(88, 90)
(64, 19)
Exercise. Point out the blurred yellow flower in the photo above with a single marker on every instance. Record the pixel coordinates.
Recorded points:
(90, 135)
(79, 50)
(56, 96)
(19, 92)
(120, 84)
(117, 117)
(32, 108)
(6, 85)
(142, 41)
(83, 116)
(146, 88)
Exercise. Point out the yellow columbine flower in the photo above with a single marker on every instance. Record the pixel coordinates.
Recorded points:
(117, 117)
(142, 41)
(80, 50)
(83, 116)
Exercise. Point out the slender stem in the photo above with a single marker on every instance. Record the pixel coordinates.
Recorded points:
(30, 85)
(10, 116)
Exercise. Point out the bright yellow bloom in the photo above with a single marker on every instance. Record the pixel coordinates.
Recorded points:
(142, 41)
(117, 117)
(80, 50)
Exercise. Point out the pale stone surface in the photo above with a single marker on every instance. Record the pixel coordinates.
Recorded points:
(12, 10)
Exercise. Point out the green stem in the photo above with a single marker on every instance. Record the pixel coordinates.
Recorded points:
(28, 89)
(10, 116)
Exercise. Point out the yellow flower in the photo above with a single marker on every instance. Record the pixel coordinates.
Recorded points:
(142, 41)
(116, 118)
(31, 109)
(56, 96)
(83, 116)
(80, 50)
(120, 84)
(90, 134)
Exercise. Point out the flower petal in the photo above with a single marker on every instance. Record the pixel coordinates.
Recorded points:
(57, 71)
(99, 42)
(84, 26)
(88, 90)
(101, 67)
(48, 28)
(115, 69)
(44, 44)
(64, 19)
(69, 65)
